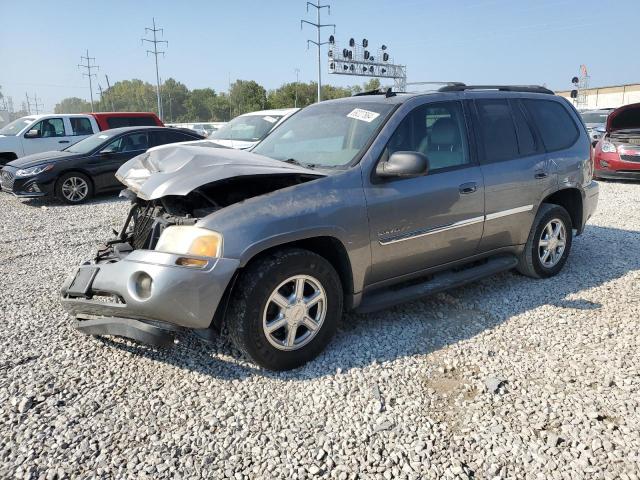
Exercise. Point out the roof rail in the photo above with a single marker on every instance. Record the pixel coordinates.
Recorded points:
(502, 88)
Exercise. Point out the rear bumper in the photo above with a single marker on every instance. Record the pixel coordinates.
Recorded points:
(178, 296)
(590, 203)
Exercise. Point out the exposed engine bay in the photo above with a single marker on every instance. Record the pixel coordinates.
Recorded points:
(147, 219)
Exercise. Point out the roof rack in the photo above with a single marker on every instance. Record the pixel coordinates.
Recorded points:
(502, 88)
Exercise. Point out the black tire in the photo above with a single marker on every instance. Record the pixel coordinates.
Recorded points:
(250, 298)
(65, 196)
(530, 263)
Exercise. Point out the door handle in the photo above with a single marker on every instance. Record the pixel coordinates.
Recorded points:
(467, 188)
(541, 174)
(63, 141)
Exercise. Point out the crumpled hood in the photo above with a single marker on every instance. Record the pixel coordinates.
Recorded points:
(181, 168)
(40, 158)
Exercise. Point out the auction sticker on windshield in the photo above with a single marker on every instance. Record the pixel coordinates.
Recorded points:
(270, 119)
(364, 115)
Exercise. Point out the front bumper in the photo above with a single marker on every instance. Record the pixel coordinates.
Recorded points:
(618, 174)
(178, 297)
(27, 187)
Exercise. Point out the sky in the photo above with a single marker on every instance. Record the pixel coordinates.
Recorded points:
(212, 41)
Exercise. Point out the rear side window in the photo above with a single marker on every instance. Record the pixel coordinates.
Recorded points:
(554, 123)
(526, 140)
(81, 126)
(117, 122)
(164, 137)
(497, 130)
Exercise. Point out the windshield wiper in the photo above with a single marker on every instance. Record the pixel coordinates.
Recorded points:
(293, 161)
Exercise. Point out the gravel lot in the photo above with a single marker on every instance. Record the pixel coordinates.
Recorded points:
(507, 378)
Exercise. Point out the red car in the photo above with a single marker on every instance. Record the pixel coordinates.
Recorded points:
(108, 120)
(617, 154)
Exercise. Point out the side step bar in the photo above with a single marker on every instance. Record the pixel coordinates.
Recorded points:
(439, 282)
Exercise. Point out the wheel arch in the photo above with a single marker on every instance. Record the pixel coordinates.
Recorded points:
(76, 170)
(571, 200)
(326, 246)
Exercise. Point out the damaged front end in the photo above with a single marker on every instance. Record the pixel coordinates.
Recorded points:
(162, 272)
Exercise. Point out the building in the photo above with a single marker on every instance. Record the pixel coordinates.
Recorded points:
(608, 97)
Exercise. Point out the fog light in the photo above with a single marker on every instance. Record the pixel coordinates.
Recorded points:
(33, 188)
(604, 164)
(142, 284)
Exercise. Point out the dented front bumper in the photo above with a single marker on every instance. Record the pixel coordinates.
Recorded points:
(147, 287)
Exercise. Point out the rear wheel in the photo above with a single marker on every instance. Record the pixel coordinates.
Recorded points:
(285, 308)
(74, 188)
(549, 243)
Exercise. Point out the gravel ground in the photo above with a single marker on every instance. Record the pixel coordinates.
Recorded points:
(506, 378)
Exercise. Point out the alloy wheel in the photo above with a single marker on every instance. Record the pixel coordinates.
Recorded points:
(294, 312)
(553, 240)
(75, 189)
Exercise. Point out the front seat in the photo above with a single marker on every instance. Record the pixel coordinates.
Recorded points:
(127, 145)
(48, 130)
(443, 147)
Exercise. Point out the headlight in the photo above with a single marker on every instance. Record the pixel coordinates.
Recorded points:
(190, 240)
(31, 171)
(608, 147)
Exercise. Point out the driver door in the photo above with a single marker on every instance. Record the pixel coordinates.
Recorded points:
(109, 159)
(51, 135)
(422, 222)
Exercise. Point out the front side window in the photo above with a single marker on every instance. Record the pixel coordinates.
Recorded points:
(327, 135)
(128, 143)
(51, 127)
(81, 126)
(497, 130)
(554, 123)
(436, 130)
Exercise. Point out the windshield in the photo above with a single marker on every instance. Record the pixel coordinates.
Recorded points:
(595, 117)
(90, 143)
(14, 127)
(247, 128)
(325, 134)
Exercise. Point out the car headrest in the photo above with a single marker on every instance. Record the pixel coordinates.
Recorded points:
(444, 132)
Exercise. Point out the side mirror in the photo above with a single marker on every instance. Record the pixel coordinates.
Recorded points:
(403, 164)
(32, 134)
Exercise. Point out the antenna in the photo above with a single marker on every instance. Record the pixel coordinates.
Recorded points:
(319, 27)
(155, 53)
(88, 66)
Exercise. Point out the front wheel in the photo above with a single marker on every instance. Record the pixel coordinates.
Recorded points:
(549, 243)
(74, 188)
(285, 308)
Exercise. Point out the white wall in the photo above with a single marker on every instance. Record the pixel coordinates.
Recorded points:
(611, 97)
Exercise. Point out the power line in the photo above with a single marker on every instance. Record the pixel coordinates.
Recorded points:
(155, 53)
(37, 105)
(88, 66)
(319, 26)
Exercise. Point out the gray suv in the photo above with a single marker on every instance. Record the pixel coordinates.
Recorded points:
(351, 204)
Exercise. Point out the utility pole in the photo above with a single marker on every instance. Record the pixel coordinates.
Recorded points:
(28, 103)
(38, 106)
(295, 102)
(319, 27)
(88, 66)
(100, 103)
(109, 88)
(155, 53)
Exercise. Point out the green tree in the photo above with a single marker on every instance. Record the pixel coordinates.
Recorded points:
(132, 95)
(373, 84)
(72, 105)
(219, 107)
(198, 105)
(174, 97)
(247, 96)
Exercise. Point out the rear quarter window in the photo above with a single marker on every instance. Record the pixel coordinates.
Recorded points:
(557, 128)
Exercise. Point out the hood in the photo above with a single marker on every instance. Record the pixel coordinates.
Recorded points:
(180, 169)
(237, 144)
(624, 118)
(40, 158)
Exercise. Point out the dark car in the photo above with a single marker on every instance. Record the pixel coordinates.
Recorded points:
(87, 167)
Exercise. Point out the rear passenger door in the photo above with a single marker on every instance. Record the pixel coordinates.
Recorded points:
(516, 172)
